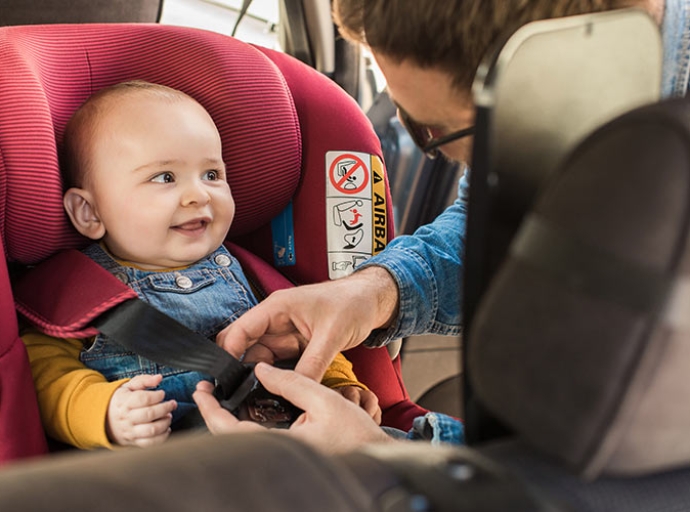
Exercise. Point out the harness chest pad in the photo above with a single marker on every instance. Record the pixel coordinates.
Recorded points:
(86, 291)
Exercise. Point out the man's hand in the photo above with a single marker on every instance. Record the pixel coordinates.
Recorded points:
(138, 416)
(329, 423)
(363, 398)
(321, 320)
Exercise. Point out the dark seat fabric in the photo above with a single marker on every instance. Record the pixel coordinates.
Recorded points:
(277, 119)
(581, 343)
(444, 396)
(662, 492)
(34, 12)
(192, 472)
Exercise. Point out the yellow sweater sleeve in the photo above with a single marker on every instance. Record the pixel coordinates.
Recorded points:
(340, 374)
(73, 399)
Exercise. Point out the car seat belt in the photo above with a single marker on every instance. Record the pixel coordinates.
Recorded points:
(93, 300)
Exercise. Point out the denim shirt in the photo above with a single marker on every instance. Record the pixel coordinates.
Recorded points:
(675, 33)
(427, 265)
(206, 297)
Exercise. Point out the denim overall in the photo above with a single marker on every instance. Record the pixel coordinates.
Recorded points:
(206, 297)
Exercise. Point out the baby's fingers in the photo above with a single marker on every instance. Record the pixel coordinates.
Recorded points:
(353, 394)
(142, 382)
(153, 433)
(152, 413)
(370, 403)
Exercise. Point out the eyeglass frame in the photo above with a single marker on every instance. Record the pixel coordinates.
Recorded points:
(429, 146)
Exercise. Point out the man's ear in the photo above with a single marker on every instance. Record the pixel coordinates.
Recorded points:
(79, 206)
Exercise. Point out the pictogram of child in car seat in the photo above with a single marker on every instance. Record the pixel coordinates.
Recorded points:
(351, 240)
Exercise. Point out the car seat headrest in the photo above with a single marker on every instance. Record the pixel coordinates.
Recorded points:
(48, 71)
(582, 341)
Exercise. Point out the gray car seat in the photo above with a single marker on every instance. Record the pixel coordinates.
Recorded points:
(35, 12)
(580, 344)
(552, 83)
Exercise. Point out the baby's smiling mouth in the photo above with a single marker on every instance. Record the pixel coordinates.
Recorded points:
(193, 226)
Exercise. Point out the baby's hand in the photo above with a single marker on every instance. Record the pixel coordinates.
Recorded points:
(137, 416)
(364, 398)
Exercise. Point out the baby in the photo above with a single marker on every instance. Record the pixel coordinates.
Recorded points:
(147, 182)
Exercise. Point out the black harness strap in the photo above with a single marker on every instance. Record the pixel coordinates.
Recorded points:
(143, 329)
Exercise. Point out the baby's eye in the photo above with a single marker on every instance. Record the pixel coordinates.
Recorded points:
(164, 177)
(211, 175)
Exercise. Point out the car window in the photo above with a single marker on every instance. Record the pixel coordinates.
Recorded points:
(258, 25)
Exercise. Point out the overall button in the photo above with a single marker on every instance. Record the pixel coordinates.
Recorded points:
(183, 282)
(122, 277)
(223, 260)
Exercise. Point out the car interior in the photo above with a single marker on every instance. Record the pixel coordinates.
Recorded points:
(575, 263)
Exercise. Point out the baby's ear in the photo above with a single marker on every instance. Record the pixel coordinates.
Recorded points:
(80, 208)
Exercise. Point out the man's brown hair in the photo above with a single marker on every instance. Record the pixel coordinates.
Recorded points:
(450, 35)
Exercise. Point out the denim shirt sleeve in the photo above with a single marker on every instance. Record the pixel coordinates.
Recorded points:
(675, 32)
(427, 267)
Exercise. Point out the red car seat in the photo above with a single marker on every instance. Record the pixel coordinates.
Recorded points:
(285, 128)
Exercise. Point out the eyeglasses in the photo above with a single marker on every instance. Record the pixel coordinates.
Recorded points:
(423, 138)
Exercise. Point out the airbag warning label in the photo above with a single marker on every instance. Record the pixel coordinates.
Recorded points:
(357, 223)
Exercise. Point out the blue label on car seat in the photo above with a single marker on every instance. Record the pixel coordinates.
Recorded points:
(283, 232)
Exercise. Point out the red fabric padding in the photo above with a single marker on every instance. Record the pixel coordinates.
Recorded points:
(21, 434)
(48, 71)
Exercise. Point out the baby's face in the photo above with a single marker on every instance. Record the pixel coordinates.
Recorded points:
(158, 182)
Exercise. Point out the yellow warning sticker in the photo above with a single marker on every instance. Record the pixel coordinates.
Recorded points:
(380, 217)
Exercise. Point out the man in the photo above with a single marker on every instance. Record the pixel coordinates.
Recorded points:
(429, 53)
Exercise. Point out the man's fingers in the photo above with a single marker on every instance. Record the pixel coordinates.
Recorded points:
(218, 420)
(297, 389)
(237, 337)
(211, 410)
(256, 325)
(315, 360)
(259, 352)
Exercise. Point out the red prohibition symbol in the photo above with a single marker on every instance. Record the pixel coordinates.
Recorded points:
(348, 174)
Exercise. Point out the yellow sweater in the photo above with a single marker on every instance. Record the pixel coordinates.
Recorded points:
(73, 399)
